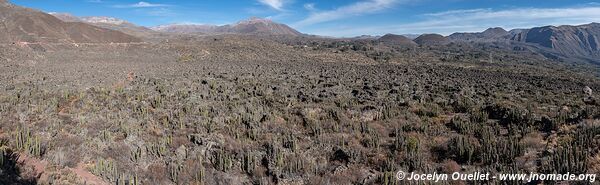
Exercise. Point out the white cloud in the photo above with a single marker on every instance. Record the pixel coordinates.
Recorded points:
(159, 12)
(476, 20)
(454, 12)
(142, 4)
(355, 9)
(275, 4)
(310, 6)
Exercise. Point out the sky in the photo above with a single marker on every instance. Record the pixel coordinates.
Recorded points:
(340, 18)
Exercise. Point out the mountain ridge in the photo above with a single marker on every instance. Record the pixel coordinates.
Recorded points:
(250, 26)
(108, 23)
(581, 40)
(28, 25)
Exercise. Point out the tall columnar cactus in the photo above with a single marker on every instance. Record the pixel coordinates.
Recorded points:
(462, 149)
(136, 154)
(174, 170)
(107, 169)
(573, 156)
(567, 159)
(222, 160)
(199, 176)
(27, 142)
(249, 163)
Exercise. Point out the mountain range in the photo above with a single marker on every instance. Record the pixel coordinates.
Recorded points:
(487, 35)
(108, 23)
(254, 26)
(580, 41)
(28, 25)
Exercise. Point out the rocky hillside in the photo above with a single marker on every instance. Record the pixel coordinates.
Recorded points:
(28, 25)
(252, 26)
(431, 39)
(580, 40)
(396, 40)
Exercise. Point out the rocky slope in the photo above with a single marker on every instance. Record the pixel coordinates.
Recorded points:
(28, 25)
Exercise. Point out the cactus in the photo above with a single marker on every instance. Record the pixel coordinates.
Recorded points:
(462, 149)
(407, 144)
(464, 126)
(222, 160)
(495, 151)
(25, 141)
(293, 164)
(388, 178)
(573, 156)
(4, 153)
(249, 163)
(136, 154)
(174, 171)
(199, 176)
(478, 116)
(161, 148)
(107, 169)
(290, 142)
(124, 179)
(567, 159)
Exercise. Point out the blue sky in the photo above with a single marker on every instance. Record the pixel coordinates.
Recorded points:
(341, 17)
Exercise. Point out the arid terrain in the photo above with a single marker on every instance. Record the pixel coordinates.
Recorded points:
(255, 108)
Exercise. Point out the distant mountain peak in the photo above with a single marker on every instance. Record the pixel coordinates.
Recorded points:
(495, 30)
(104, 20)
(255, 20)
(67, 17)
